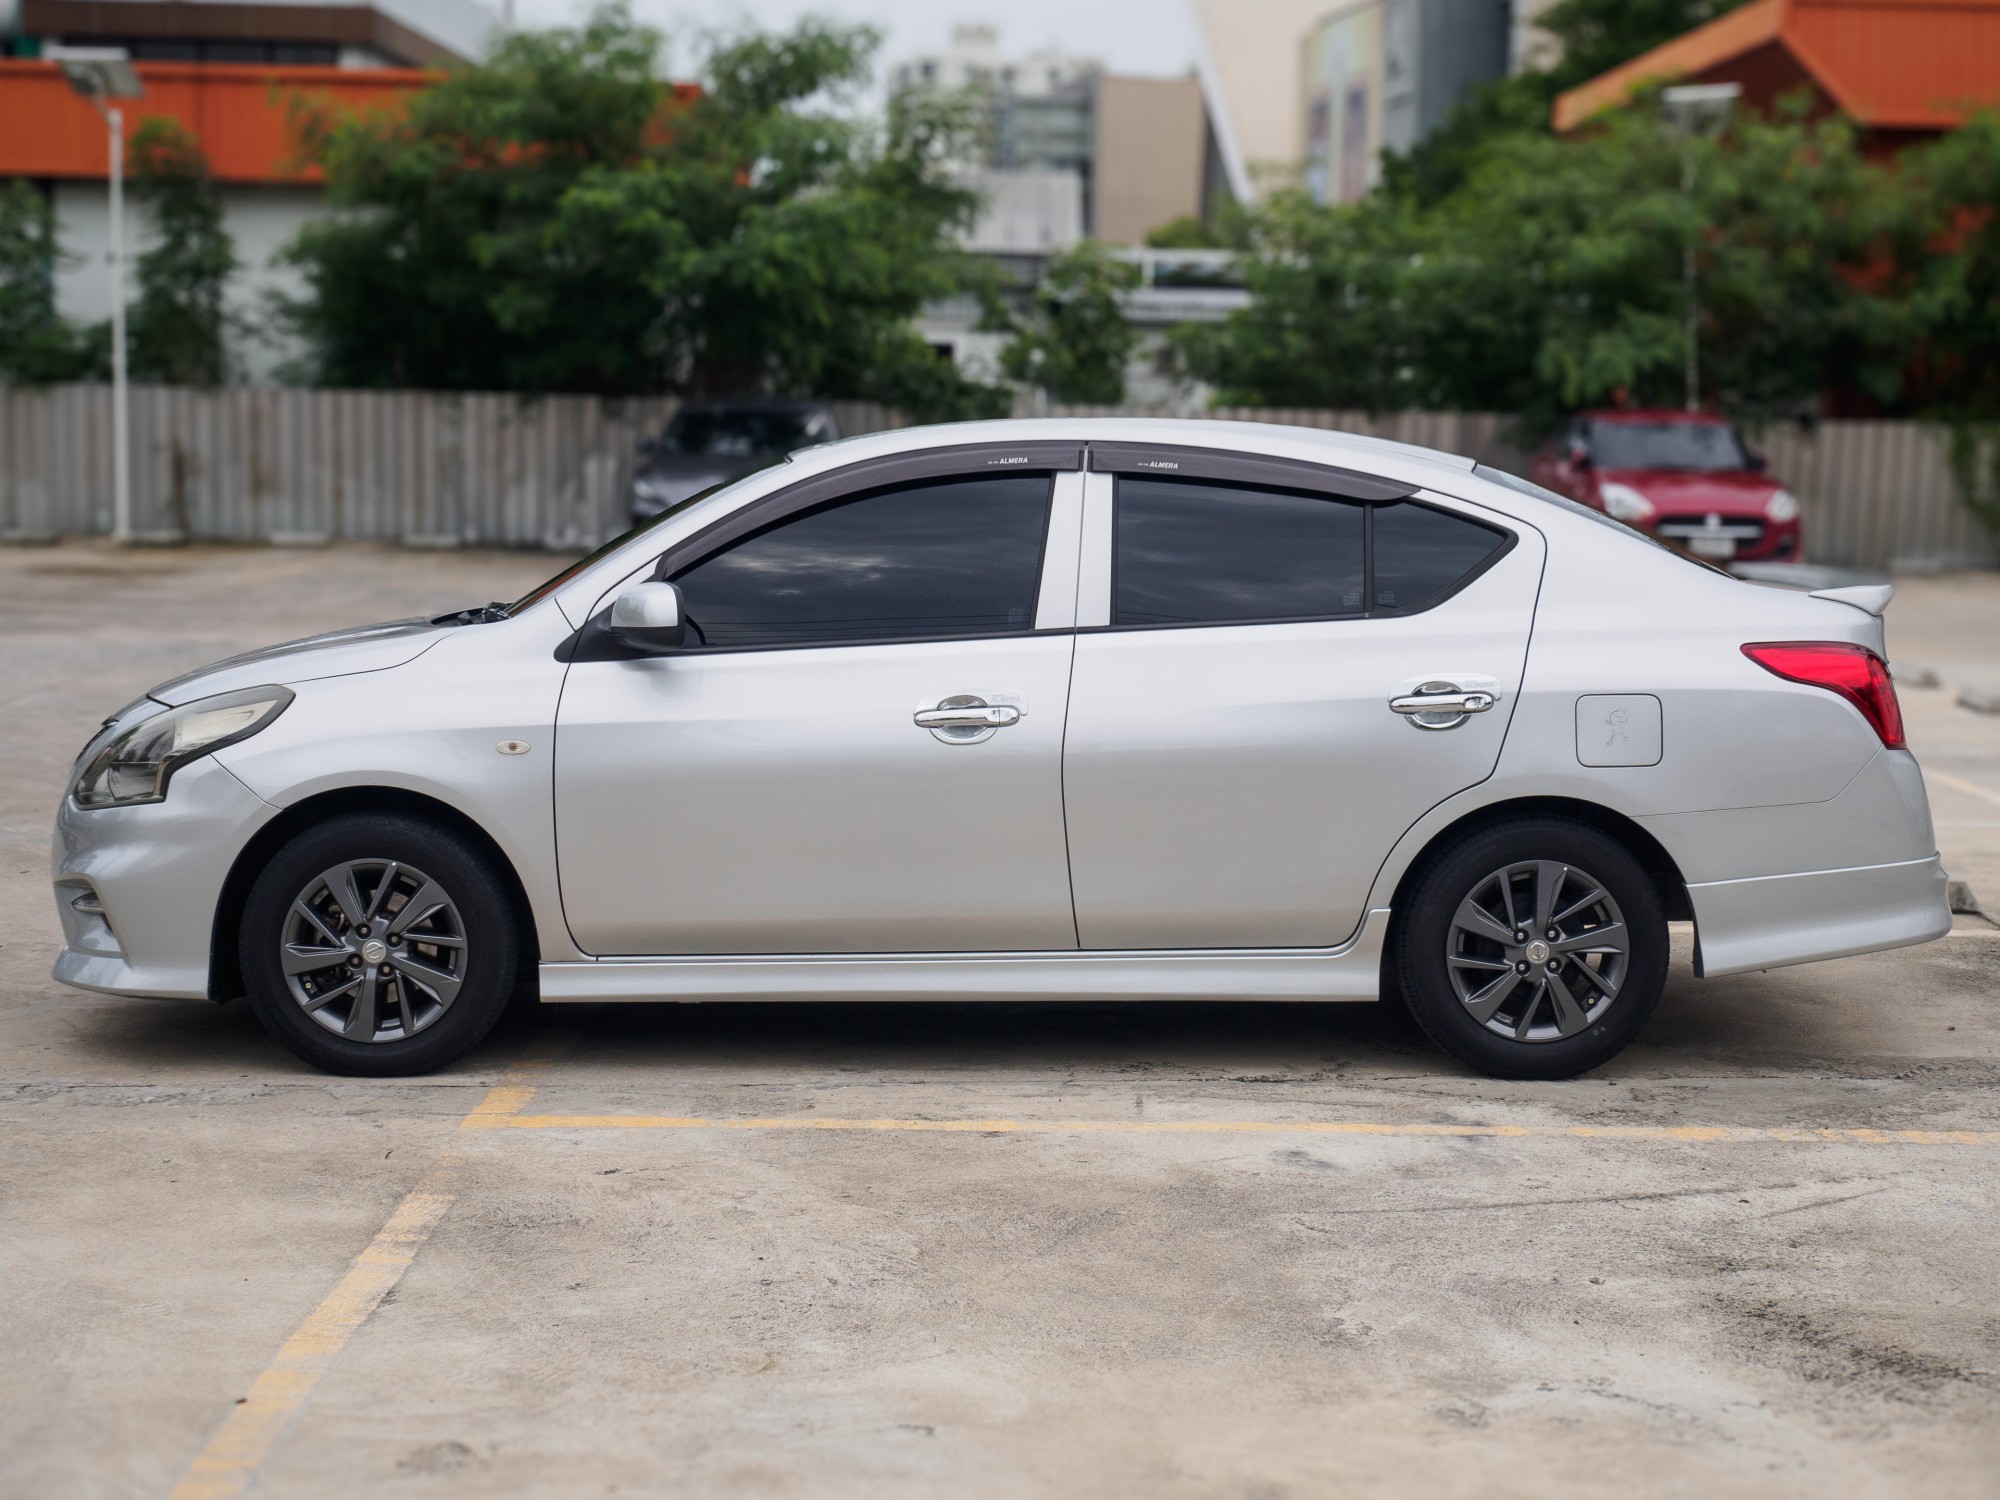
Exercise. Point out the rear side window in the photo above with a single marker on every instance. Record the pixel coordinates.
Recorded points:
(1421, 555)
(1193, 553)
(921, 562)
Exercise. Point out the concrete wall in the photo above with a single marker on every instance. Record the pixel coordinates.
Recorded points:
(1151, 136)
(261, 221)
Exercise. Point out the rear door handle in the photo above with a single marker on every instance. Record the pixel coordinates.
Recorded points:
(1441, 705)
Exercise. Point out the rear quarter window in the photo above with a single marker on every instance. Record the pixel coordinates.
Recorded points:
(1423, 555)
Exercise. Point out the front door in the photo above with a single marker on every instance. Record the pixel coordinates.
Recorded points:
(1235, 773)
(812, 775)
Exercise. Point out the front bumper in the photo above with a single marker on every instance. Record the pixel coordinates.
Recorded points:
(157, 872)
(1774, 920)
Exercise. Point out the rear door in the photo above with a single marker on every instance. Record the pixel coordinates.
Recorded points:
(1234, 770)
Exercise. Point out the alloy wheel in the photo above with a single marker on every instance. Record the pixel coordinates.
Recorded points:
(373, 950)
(1537, 951)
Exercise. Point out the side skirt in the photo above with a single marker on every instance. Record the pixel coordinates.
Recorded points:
(1349, 972)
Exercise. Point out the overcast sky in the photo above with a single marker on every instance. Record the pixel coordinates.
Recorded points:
(1153, 37)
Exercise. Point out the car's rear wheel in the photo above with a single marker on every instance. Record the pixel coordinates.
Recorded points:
(379, 944)
(1535, 948)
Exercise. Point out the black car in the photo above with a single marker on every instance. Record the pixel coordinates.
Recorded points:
(710, 442)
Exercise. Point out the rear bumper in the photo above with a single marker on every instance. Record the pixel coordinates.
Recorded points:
(1774, 920)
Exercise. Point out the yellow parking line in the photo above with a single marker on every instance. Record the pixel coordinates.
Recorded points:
(1795, 1134)
(228, 1465)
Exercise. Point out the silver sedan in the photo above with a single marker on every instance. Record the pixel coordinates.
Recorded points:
(1049, 709)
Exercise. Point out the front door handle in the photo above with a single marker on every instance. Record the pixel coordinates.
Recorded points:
(992, 717)
(1441, 705)
(966, 719)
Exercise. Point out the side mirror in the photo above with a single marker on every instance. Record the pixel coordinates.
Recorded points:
(1579, 455)
(1757, 463)
(648, 616)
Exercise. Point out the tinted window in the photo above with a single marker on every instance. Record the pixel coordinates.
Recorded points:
(1666, 445)
(1190, 553)
(960, 557)
(1421, 554)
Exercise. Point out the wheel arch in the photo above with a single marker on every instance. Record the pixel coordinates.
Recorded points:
(225, 973)
(1659, 865)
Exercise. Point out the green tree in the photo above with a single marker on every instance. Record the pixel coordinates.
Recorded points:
(179, 323)
(1073, 340)
(1553, 279)
(37, 345)
(558, 219)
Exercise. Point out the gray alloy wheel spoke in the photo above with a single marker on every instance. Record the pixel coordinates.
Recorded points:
(1506, 881)
(346, 894)
(1481, 1004)
(360, 1025)
(1527, 1021)
(327, 997)
(1610, 938)
(437, 981)
(1474, 918)
(382, 889)
(429, 898)
(396, 993)
(1570, 1018)
(1605, 987)
(1596, 895)
(1548, 884)
(1466, 961)
(313, 919)
(300, 959)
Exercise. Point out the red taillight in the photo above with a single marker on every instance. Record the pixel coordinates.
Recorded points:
(1854, 672)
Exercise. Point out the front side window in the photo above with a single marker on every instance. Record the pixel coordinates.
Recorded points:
(944, 558)
(1212, 554)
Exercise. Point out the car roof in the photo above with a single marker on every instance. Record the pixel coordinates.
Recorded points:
(1316, 444)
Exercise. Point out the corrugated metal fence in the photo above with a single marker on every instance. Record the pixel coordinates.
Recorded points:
(445, 469)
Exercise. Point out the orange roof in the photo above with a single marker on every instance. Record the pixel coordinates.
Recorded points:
(1887, 64)
(238, 111)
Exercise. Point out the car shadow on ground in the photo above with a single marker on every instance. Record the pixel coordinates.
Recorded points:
(1778, 1020)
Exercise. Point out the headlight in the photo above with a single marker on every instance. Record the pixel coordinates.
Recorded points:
(124, 767)
(1625, 503)
(1782, 506)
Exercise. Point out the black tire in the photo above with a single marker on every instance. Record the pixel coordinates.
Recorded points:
(1557, 1022)
(413, 858)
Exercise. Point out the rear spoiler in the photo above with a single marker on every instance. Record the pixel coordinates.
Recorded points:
(1870, 598)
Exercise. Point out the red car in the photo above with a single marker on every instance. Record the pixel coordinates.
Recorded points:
(1684, 477)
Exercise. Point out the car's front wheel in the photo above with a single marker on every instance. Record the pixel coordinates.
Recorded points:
(1534, 948)
(379, 944)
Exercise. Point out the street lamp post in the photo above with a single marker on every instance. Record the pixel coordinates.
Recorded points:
(101, 74)
(1695, 109)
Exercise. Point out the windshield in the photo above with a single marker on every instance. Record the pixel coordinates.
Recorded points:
(542, 591)
(734, 434)
(1666, 445)
(1577, 508)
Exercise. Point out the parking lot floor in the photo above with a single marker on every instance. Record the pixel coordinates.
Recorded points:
(1178, 1250)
